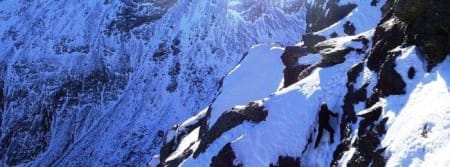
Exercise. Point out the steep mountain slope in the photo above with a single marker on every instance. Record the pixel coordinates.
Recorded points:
(380, 64)
(96, 83)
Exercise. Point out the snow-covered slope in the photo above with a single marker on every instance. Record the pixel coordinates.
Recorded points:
(97, 83)
(393, 110)
(419, 121)
(223, 82)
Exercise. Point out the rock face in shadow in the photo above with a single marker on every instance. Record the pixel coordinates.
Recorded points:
(133, 14)
(390, 82)
(292, 67)
(286, 161)
(429, 26)
(349, 28)
(423, 23)
(310, 40)
(225, 158)
(388, 35)
(318, 19)
(30, 134)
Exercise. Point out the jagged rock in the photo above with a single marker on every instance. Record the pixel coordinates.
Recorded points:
(49, 49)
(311, 39)
(290, 60)
(253, 112)
(366, 145)
(374, 2)
(349, 116)
(134, 14)
(388, 35)
(428, 26)
(331, 58)
(317, 19)
(411, 72)
(225, 158)
(334, 35)
(161, 53)
(369, 117)
(349, 28)
(286, 161)
(170, 146)
(390, 82)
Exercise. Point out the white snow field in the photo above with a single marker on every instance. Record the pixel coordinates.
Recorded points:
(419, 122)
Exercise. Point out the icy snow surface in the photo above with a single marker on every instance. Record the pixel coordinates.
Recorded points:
(419, 122)
(257, 76)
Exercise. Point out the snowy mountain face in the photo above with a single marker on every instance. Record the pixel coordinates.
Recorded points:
(382, 66)
(97, 83)
(224, 82)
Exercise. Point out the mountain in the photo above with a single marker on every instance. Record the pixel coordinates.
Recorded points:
(97, 83)
(224, 82)
(382, 66)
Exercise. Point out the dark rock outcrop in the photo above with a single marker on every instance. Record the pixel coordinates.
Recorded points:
(225, 158)
(411, 72)
(352, 97)
(317, 18)
(133, 14)
(349, 28)
(290, 60)
(430, 27)
(286, 161)
(170, 146)
(388, 35)
(310, 40)
(366, 145)
(253, 112)
(334, 57)
(390, 82)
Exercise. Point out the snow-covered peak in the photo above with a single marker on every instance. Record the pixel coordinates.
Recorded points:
(224, 83)
(361, 67)
(98, 83)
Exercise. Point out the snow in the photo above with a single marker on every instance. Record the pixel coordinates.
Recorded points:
(186, 143)
(292, 111)
(257, 76)
(292, 116)
(419, 122)
(135, 102)
(418, 128)
(364, 17)
(347, 156)
(204, 159)
(310, 59)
